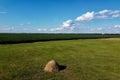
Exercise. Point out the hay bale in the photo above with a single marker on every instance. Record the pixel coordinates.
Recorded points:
(52, 66)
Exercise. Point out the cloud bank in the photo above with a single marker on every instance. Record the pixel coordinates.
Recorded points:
(88, 16)
(117, 26)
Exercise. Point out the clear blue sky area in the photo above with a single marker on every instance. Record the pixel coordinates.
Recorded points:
(59, 16)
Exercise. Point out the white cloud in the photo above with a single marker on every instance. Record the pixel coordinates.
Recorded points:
(86, 17)
(67, 23)
(7, 28)
(39, 29)
(103, 12)
(102, 17)
(115, 15)
(115, 12)
(25, 29)
(23, 24)
(117, 26)
(42, 30)
(72, 24)
(111, 13)
(28, 23)
(57, 29)
(100, 28)
(72, 28)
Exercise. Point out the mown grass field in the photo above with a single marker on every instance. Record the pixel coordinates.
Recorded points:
(86, 59)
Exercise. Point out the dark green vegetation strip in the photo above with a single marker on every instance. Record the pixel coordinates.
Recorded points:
(21, 38)
(85, 60)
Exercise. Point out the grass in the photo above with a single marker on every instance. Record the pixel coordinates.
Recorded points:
(90, 59)
(22, 37)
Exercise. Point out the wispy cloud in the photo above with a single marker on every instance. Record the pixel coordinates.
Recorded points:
(21, 24)
(117, 26)
(102, 17)
(109, 13)
(3, 12)
(27, 23)
(116, 15)
(42, 30)
(103, 12)
(56, 29)
(7, 28)
(99, 29)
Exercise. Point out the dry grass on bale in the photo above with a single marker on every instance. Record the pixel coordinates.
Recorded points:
(52, 66)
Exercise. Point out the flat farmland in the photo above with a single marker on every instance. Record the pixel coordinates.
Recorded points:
(85, 59)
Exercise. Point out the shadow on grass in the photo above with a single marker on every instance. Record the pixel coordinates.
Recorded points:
(62, 67)
(14, 38)
(32, 41)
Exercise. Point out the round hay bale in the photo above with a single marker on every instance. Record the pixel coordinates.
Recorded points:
(52, 66)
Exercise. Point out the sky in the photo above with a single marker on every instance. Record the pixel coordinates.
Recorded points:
(60, 16)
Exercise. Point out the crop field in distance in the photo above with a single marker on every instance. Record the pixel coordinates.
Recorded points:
(22, 37)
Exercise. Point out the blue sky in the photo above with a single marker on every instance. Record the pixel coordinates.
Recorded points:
(59, 16)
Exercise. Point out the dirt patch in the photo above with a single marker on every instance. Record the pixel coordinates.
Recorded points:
(110, 39)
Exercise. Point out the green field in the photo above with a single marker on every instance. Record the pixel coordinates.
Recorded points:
(25, 38)
(89, 59)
